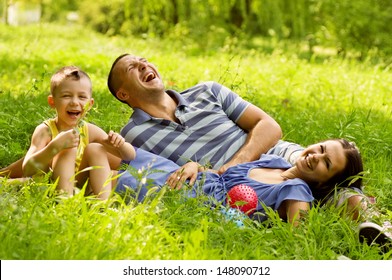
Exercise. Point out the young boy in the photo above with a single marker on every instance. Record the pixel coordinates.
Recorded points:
(67, 144)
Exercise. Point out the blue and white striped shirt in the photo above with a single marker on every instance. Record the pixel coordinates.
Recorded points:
(207, 132)
(288, 150)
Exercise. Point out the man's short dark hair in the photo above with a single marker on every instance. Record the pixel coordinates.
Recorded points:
(111, 87)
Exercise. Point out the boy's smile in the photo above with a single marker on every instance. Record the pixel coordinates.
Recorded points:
(74, 114)
(70, 100)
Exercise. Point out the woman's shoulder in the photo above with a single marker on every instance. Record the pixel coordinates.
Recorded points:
(265, 161)
(274, 161)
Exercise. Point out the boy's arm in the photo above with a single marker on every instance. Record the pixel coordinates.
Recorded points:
(113, 142)
(43, 148)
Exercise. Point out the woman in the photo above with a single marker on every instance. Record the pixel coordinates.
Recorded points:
(285, 188)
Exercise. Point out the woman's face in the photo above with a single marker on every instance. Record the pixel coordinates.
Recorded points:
(320, 162)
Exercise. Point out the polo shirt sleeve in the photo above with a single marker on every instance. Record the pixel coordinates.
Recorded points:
(232, 104)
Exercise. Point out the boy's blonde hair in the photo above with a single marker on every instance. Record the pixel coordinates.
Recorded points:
(67, 72)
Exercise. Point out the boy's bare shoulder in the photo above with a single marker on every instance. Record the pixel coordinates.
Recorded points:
(42, 135)
(43, 130)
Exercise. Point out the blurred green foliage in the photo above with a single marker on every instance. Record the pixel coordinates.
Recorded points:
(356, 28)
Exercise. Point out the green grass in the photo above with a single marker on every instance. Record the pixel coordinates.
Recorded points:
(312, 100)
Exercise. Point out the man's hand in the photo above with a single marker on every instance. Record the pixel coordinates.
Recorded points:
(187, 171)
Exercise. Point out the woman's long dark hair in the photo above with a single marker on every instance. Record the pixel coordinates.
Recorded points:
(344, 179)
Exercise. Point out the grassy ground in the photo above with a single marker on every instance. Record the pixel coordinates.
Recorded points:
(312, 100)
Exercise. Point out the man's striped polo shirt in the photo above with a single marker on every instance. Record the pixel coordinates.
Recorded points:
(207, 132)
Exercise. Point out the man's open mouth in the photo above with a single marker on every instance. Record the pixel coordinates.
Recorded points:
(149, 77)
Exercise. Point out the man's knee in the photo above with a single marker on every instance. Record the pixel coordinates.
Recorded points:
(351, 202)
(356, 204)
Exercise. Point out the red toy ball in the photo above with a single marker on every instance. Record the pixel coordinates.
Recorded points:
(243, 198)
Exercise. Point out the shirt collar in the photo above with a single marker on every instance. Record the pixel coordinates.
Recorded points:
(181, 100)
(139, 116)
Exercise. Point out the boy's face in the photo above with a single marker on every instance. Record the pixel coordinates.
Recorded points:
(71, 99)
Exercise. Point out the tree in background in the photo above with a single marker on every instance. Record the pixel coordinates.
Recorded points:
(351, 27)
(361, 25)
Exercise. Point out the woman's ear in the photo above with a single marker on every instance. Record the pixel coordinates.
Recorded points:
(51, 101)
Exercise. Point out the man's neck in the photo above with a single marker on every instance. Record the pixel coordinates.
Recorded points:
(163, 108)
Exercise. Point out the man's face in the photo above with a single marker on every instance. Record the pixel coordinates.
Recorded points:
(137, 77)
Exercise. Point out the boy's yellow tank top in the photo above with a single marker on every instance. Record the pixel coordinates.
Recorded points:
(83, 138)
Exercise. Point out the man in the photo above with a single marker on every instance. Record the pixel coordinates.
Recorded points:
(207, 123)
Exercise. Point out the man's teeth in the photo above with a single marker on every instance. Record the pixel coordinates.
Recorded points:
(149, 77)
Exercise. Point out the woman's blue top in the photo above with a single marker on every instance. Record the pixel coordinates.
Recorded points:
(157, 169)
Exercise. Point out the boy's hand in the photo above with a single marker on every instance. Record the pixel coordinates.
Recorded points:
(115, 139)
(66, 139)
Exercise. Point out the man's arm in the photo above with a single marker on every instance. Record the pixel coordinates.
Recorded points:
(263, 133)
(290, 151)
